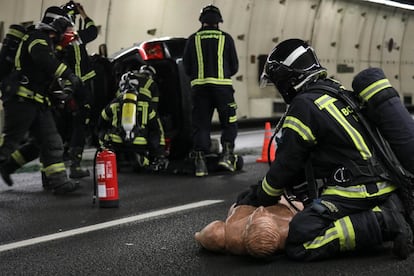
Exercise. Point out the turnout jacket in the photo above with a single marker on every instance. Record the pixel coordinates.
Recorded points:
(321, 129)
(210, 57)
(148, 130)
(38, 66)
(75, 54)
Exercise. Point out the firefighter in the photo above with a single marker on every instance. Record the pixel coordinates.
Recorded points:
(130, 123)
(354, 206)
(210, 59)
(75, 55)
(26, 102)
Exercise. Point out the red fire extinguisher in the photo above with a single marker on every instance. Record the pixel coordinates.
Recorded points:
(106, 179)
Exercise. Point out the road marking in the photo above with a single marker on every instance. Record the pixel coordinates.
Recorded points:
(107, 224)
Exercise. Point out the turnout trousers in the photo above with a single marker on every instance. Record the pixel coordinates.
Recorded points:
(205, 100)
(334, 224)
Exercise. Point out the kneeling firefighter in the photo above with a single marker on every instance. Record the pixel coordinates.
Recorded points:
(130, 123)
(323, 144)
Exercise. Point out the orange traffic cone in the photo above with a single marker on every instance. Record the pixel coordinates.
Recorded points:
(267, 138)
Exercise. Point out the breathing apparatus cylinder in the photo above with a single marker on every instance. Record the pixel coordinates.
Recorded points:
(385, 109)
(129, 114)
(106, 178)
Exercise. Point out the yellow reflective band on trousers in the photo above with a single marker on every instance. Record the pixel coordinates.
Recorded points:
(18, 157)
(54, 168)
(342, 230)
(300, 128)
(327, 102)
(270, 190)
(219, 79)
(359, 191)
(374, 88)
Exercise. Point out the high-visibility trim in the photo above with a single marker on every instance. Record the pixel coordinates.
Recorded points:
(18, 157)
(300, 128)
(89, 75)
(220, 51)
(115, 138)
(346, 234)
(54, 168)
(16, 33)
(145, 108)
(148, 84)
(330, 235)
(327, 102)
(29, 94)
(145, 91)
(36, 41)
(359, 191)
(374, 88)
(89, 24)
(162, 137)
(270, 190)
(140, 141)
(233, 119)
(199, 52)
(76, 49)
(18, 53)
(211, 81)
(61, 68)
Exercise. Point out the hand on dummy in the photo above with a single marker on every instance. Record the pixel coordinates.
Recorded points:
(255, 196)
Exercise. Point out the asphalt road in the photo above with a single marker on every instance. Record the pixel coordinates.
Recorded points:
(151, 233)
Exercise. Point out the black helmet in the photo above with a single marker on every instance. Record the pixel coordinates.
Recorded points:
(211, 15)
(129, 82)
(148, 71)
(71, 9)
(55, 19)
(290, 65)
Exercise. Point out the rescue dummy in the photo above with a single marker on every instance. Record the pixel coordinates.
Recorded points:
(248, 230)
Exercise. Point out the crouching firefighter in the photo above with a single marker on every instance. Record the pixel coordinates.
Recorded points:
(130, 124)
(356, 206)
(27, 106)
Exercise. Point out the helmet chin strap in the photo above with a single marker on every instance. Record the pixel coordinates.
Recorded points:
(311, 76)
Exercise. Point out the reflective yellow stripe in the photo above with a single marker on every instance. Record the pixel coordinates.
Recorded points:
(26, 93)
(220, 52)
(16, 33)
(148, 84)
(145, 91)
(200, 61)
(114, 109)
(211, 81)
(54, 168)
(61, 68)
(18, 53)
(300, 128)
(90, 23)
(18, 157)
(346, 234)
(374, 88)
(139, 141)
(162, 138)
(76, 49)
(359, 191)
(269, 189)
(327, 102)
(36, 41)
(89, 75)
(342, 230)
(330, 235)
(115, 138)
(233, 119)
(144, 106)
(152, 115)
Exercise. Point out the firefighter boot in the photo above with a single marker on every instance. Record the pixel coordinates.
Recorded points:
(395, 228)
(76, 171)
(227, 159)
(7, 168)
(200, 164)
(60, 184)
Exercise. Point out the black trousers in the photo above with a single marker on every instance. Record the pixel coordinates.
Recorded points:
(205, 100)
(25, 118)
(320, 232)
